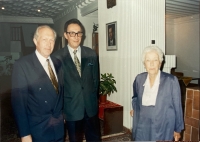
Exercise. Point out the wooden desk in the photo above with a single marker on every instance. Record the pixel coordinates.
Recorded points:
(112, 116)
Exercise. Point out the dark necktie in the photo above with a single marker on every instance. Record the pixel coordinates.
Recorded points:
(77, 63)
(52, 77)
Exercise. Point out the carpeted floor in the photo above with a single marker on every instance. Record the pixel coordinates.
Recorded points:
(9, 130)
(125, 136)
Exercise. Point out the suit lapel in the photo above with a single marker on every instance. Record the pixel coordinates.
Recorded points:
(162, 77)
(83, 59)
(143, 79)
(42, 75)
(59, 76)
(55, 65)
(57, 68)
(68, 59)
(38, 67)
(69, 62)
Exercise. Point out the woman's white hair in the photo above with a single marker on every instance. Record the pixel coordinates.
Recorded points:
(155, 49)
(36, 34)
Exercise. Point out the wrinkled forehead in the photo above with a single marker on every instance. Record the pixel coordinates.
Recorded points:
(46, 32)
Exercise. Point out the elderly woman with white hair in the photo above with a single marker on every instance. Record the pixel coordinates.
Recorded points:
(157, 110)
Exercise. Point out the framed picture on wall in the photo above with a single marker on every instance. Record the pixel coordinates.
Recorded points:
(111, 3)
(111, 36)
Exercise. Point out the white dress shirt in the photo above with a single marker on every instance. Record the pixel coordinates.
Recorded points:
(78, 53)
(150, 93)
(44, 63)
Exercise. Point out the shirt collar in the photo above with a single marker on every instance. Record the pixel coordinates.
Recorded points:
(157, 80)
(72, 50)
(41, 58)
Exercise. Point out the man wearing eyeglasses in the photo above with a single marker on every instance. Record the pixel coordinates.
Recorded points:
(81, 79)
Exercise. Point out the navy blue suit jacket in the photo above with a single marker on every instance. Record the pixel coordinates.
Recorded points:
(36, 105)
(81, 93)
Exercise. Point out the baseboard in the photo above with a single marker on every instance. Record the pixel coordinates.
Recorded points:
(112, 135)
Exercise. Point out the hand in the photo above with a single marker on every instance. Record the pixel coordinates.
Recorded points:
(131, 113)
(27, 138)
(177, 136)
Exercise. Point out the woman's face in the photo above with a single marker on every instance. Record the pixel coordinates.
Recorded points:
(152, 63)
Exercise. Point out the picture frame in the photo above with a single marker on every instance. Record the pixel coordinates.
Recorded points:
(111, 36)
(111, 3)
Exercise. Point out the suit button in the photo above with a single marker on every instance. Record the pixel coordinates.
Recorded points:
(40, 89)
(82, 88)
(46, 102)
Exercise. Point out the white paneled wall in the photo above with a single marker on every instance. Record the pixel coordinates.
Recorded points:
(182, 39)
(138, 22)
(88, 23)
(186, 39)
(170, 62)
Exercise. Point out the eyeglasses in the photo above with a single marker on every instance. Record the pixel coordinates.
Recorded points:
(73, 34)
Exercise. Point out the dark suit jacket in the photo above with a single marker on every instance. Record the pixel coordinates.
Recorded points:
(36, 105)
(168, 108)
(80, 93)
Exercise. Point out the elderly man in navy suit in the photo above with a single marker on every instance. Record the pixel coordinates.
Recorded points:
(37, 91)
(81, 80)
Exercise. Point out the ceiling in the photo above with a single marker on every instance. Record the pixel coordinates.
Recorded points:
(27, 8)
(181, 8)
(51, 8)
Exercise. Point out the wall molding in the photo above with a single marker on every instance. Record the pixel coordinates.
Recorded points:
(22, 19)
(86, 7)
(91, 7)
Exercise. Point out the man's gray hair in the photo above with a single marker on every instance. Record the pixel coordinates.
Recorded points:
(36, 34)
(152, 48)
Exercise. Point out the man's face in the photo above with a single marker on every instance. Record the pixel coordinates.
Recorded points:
(110, 32)
(75, 41)
(45, 41)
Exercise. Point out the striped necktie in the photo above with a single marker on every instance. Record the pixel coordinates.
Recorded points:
(77, 63)
(52, 77)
